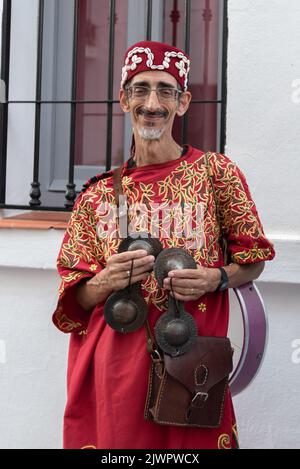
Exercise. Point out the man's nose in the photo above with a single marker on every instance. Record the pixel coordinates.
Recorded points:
(152, 101)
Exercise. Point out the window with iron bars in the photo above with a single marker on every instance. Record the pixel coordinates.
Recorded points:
(60, 120)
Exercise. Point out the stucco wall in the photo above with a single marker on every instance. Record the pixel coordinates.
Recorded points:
(33, 360)
(268, 412)
(263, 138)
(263, 112)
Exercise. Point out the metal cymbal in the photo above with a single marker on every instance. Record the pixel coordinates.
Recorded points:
(141, 240)
(126, 310)
(175, 335)
(172, 259)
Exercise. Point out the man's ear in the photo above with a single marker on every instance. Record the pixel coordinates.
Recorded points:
(183, 103)
(124, 103)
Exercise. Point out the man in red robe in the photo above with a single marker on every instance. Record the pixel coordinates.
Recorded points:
(107, 370)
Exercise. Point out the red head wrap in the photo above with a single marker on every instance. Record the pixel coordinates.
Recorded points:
(150, 55)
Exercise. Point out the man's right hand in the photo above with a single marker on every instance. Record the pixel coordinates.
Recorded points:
(115, 276)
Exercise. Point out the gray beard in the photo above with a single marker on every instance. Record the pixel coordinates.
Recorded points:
(150, 134)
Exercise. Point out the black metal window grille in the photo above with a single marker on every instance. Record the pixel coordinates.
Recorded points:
(70, 194)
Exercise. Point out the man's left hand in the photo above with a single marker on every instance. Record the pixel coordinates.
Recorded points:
(191, 284)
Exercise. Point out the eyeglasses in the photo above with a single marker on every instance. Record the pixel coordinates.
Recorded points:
(143, 92)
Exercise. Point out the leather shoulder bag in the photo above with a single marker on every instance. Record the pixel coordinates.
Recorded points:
(190, 389)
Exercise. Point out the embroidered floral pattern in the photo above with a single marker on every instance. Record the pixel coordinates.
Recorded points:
(202, 307)
(66, 324)
(85, 249)
(224, 441)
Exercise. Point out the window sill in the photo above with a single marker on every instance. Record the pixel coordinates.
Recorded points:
(34, 220)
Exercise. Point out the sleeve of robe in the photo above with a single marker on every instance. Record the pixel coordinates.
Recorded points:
(241, 226)
(79, 258)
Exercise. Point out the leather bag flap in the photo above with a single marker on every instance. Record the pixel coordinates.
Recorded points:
(208, 362)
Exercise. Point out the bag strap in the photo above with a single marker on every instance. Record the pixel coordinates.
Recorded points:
(151, 344)
(121, 202)
(123, 219)
(222, 239)
(117, 181)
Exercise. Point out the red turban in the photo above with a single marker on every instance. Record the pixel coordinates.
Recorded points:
(150, 55)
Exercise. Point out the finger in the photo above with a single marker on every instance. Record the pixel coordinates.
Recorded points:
(140, 277)
(128, 255)
(183, 290)
(142, 270)
(181, 297)
(136, 272)
(133, 279)
(186, 291)
(187, 273)
(117, 275)
(145, 261)
(181, 282)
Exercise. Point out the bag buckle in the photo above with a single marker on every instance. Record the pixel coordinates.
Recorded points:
(155, 356)
(199, 399)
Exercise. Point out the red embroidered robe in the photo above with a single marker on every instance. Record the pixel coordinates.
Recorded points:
(108, 371)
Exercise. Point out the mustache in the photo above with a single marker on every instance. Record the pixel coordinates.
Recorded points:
(157, 113)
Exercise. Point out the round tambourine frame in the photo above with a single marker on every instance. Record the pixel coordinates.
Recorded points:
(254, 334)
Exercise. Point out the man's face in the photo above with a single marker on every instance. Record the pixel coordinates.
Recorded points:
(153, 113)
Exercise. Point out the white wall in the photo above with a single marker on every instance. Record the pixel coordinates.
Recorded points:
(263, 112)
(263, 138)
(33, 354)
(33, 361)
(268, 411)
